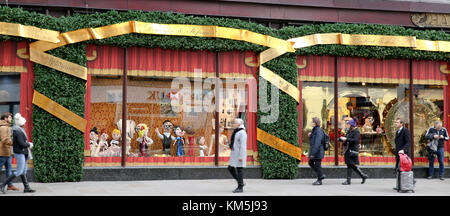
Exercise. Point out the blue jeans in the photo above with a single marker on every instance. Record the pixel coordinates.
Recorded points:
(21, 168)
(6, 161)
(440, 156)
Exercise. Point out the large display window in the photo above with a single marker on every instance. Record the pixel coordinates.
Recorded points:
(374, 93)
(171, 106)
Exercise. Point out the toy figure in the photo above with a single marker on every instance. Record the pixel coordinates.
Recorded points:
(115, 138)
(115, 150)
(166, 137)
(179, 140)
(200, 140)
(190, 141)
(131, 125)
(103, 141)
(144, 141)
(93, 141)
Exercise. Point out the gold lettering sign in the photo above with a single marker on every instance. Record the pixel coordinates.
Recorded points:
(378, 40)
(59, 111)
(431, 20)
(278, 144)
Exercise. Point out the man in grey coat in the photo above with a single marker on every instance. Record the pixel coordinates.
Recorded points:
(238, 156)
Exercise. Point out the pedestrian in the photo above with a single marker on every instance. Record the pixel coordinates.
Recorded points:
(316, 150)
(351, 151)
(6, 146)
(439, 134)
(402, 144)
(20, 149)
(238, 155)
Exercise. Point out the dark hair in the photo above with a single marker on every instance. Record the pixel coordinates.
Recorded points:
(349, 104)
(167, 121)
(5, 115)
(94, 130)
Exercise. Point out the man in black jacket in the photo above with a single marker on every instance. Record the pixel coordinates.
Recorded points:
(440, 134)
(402, 143)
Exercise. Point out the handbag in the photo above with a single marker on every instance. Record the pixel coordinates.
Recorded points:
(433, 145)
(353, 153)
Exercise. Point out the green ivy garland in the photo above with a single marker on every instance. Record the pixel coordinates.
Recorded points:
(59, 147)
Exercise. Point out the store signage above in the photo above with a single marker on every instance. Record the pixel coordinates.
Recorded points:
(431, 20)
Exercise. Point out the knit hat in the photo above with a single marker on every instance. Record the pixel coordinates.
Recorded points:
(352, 123)
(19, 120)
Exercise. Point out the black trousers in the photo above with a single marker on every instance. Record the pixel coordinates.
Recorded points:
(316, 165)
(350, 168)
(238, 174)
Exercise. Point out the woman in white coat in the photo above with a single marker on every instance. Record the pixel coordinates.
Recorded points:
(238, 155)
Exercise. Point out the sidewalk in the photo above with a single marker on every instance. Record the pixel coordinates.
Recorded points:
(254, 187)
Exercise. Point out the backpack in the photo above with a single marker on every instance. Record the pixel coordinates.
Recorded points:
(325, 141)
(405, 163)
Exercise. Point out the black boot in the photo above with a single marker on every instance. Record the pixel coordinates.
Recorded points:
(363, 175)
(347, 182)
(3, 185)
(318, 182)
(239, 189)
(349, 176)
(27, 188)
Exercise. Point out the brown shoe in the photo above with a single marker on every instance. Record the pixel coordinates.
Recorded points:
(12, 187)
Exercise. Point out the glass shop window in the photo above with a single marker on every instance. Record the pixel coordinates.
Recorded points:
(9, 92)
(106, 116)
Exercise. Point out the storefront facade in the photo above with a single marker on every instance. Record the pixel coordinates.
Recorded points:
(151, 82)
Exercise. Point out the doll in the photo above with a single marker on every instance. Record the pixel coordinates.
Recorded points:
(130, 132)
(115, 144)
(93, 140)
(144, 141)
(166, 137)
(200, 140)
(115, 138)
(179, 140)
(103, 141)
(190, 141)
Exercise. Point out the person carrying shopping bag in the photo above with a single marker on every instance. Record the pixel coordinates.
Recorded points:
(351, 151)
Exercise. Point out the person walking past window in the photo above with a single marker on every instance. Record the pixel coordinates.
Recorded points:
(20, 149)
(402, 144)
(6, 146)
(316, 150)
(437, 134)
(351, 151)
(238, 155)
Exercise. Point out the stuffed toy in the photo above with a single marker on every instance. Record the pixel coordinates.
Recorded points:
(144, 141)
(179, 140)
(131, 125)
(166, 137)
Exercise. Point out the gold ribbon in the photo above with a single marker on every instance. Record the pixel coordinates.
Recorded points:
(50, 40)
(19, 30)
(280, 83)
(59, 111)
(278, 144)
